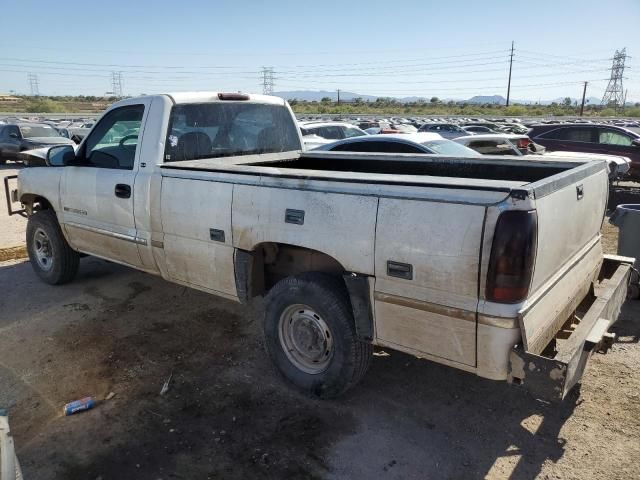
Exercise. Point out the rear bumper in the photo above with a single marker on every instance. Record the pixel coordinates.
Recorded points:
(553, 373)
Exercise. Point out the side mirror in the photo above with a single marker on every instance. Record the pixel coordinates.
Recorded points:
(636, 142)
(13, 135)
(60, 155)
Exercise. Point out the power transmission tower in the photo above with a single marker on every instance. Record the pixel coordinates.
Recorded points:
(33, 84)
(614, 94)
(116, 84)
(510, 66)
(267, 80)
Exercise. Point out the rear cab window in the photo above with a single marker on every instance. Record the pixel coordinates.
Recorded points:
(224, 129)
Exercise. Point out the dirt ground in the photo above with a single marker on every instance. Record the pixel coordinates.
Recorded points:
(228, 415)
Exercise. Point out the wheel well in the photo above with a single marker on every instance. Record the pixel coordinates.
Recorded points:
(34, 203)
(259, 270)
(270, 262)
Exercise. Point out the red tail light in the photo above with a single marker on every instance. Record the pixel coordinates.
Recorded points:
(512, 257)
(523, 143)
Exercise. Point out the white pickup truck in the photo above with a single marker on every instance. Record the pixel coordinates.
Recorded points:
(486, 264)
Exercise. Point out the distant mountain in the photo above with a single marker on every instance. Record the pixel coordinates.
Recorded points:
(588, 100)
(316, 96)
(492, 99)
(311, 96)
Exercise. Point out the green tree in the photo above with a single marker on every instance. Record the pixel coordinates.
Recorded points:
(567, 101)
(434, 100)
(325, 100)
(43, 105)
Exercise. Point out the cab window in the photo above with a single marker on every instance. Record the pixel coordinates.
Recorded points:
(113, 142)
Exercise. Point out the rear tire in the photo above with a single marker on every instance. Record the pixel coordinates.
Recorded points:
(311, 337)
(53, 260)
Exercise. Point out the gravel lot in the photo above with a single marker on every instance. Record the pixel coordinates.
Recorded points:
(229, 415)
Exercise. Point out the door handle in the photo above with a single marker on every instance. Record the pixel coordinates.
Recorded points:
(123, 191)
(400, 270)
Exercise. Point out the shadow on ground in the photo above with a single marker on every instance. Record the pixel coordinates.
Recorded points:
(227, 414)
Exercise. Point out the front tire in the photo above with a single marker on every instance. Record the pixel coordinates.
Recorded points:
(310, 335)
(53, 260)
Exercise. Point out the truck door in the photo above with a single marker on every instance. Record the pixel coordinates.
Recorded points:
(11, 142)
(97, 190)
(426, 290)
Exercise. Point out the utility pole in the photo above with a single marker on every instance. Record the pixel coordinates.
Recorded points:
(33, 84)
(510, 66)
(584, 93)
(338, 96)
(267, 80)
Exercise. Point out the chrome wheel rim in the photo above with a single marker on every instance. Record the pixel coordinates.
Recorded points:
(306, 339)
(42, 249)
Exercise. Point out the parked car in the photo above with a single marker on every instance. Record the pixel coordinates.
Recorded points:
(518, 145)
(500, 144)
(331, 130)
(456, 260)
(429, 143)
(446, 130)
(473, 129)
(18, 137)
(311, 142)
(591, 138)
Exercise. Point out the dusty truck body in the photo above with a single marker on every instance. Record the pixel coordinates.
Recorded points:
(486, 264)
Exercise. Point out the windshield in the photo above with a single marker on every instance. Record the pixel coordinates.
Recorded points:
(31, 131)
(207, 130)
(447, 147)
(353, 132)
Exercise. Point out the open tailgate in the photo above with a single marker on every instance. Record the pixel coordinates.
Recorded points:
(550, 374)
(570, 209)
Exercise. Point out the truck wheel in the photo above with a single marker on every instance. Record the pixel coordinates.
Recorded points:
(311, 337)
(53, 260)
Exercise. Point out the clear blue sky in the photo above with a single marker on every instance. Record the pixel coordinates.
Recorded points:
(445, 49)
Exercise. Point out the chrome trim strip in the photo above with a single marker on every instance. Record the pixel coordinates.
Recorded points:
(108, 233)
(426, 306)
(499, 322)
(459, 313)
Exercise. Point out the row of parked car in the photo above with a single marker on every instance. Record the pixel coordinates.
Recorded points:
(461, 137)
(620, 144)
(18, 135)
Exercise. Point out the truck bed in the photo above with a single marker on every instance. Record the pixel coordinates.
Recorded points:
(493, 173)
